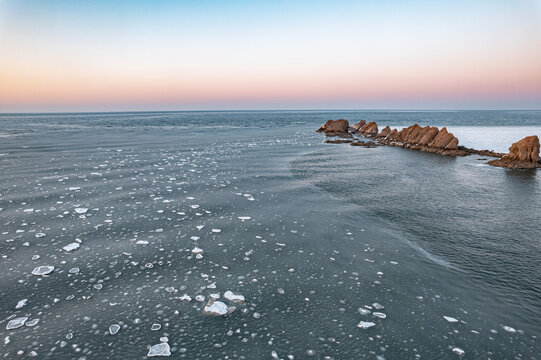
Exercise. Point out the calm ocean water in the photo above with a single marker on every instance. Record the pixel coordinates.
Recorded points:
(438, 257)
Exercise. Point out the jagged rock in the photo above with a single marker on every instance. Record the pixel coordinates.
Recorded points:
(523, 154)
(335, 128)
(358, 126)
(386, 131)
(369, 130)
(392, 135)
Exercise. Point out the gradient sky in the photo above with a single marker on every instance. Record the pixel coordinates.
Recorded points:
(218, 54)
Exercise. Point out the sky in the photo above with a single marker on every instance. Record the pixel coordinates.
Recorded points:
(232, 55)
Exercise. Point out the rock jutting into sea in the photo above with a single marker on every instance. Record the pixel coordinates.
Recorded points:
(522, 154)
(338, 127)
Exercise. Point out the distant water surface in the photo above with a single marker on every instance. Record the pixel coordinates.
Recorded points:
(437, 256)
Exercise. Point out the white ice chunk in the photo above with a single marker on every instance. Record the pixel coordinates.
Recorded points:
(216, 230)
(365, 324)
(509, 329)
(196, 250)
(113, 329)
(363, 311)
(32, 322)
(141, 242)
(244, 218)
(71, 247)
(236, 298)
(81, 210)
(186, 297)
(161, 349)
(217, 308)
(379, 315)
(40, 235)
(458, 351)
(43, 270)
(74, 188)
(16, 323)
(21, 303)
(450, 319)
(377, 306)
(155, 327)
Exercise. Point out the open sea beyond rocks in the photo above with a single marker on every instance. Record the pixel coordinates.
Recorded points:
(118, 228)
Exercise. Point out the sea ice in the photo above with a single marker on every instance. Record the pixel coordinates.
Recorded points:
(379, 315)
(509, 329)
(113, 329)
(363, 311)
(450, 319)
(186, 297)
(43, 270)
(40, 235)
(16, 323)
(235, 298)
(216, 230)
(244, 218)
(365, 324)
(21, 303)
(378, 306)
(458, 351)
(32, 322)
(81, 210)
(155, 327)
(217, 308)
(74, 188)
(141, 242)
(161, 349)
(196, 250)
(71, 247)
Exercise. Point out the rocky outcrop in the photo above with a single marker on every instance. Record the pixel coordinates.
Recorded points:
(369, 129)
(358, 126)
(523, 154)
(368, 144)
(386, 131)
(338, 127)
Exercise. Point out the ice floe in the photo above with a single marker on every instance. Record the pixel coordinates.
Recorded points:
(217, 308)
(365, 325)
(450, 319)
(81, 210)
(161, 349)
(43, 270)
(509, 329)
(21, 303)
(458, 351)
(16, 323)
(235, 298)
(71, 247)
(113, 329)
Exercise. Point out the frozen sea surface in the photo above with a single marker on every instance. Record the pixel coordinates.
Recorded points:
(119, 229)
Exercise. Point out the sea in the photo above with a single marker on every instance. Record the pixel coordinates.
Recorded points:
(126, 235)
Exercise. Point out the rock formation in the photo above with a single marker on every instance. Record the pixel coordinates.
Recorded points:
(338, 127)
(358, 126)
(369, 129)
(523, 154)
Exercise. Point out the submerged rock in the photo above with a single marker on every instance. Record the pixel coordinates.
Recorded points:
(368, 144)
(523, 154)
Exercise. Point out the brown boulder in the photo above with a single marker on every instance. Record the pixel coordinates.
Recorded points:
(523, 154)
(358, 126)
(334, 127)
(428, 136)
(392, 135)
(369, 129)
(386, 131)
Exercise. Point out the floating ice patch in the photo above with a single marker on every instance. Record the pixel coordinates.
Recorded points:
(377, 306)
(141, 242)
(217, 308)
(365, 325)
(32, 322)
(186, 297)
(113, 329)
(243, 218)
(43, 270)
(199, 227)
(200, 298)
(450, 319)
(74, 270)
(363, 311)
(28, 210)
(40, 235)
(21, 303)
(235, 298)
(509, 329)
(71, 247)
(155, 327)
(161, 349)
(216, 230)
(458, 351)
(379, 315)
(74, 188)
(194, 206)
(196, 250)
(81, 210)
(16, 323)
